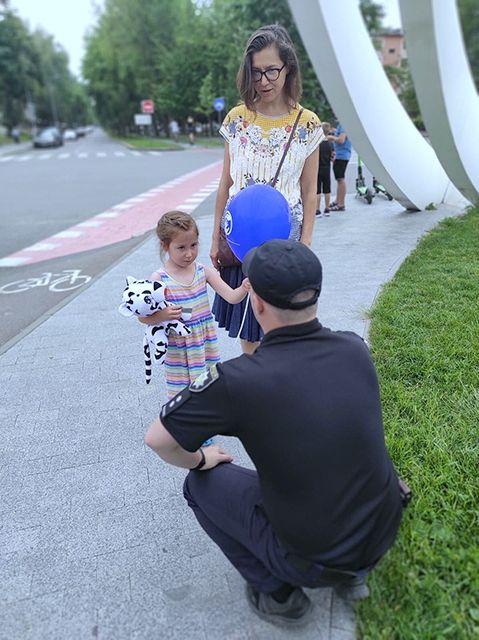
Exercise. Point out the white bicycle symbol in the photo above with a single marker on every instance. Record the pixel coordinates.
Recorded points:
(67, 281)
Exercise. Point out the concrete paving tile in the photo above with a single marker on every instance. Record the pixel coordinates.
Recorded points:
(77, 457)
(343, 614)
(132, 620)
(16, 579)
(67, 574)
(336, 633)
(31, 619)
(97, 500)
(6, 372)
(20, 540)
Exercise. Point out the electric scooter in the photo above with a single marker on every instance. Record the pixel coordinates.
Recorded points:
(378, 188)
(361, 187)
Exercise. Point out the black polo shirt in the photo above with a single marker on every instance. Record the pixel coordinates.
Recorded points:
(306, 407)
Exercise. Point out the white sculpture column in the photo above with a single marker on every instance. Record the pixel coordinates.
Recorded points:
(445, 88)
(352, 76)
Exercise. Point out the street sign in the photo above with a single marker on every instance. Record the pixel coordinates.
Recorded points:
(219, 104)
(147, 106)
(142, 120)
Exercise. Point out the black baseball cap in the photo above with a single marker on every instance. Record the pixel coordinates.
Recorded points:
(279, 269)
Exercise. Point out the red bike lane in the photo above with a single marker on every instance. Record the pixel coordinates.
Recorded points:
(124, 220)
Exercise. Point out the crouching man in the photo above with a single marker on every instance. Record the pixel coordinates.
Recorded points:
(323, 505)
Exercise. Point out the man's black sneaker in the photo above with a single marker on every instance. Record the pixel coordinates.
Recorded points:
(357, 589)
(294, 611)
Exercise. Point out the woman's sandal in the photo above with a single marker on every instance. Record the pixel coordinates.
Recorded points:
(336, 207)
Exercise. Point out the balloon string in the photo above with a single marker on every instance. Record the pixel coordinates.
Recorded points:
(242, 321)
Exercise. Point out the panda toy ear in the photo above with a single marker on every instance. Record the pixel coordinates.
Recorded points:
(159, 291)
(125, 311)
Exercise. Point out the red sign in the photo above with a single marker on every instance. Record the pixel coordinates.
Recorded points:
(147, 106)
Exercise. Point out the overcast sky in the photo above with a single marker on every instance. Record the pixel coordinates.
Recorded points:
(68, 21)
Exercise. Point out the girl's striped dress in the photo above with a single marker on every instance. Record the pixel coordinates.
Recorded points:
(188, 357)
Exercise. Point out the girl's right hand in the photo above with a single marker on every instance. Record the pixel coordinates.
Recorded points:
(171, 312)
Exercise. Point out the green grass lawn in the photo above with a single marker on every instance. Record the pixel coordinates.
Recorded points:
(424, 340)
(167, 143)
(24, 137)
(147, 143)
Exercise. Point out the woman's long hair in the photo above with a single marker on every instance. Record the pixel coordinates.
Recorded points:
(273, 35)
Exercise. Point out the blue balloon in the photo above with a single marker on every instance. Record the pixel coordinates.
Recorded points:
(256, 214)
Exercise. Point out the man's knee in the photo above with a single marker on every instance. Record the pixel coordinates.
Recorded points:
(189, 486)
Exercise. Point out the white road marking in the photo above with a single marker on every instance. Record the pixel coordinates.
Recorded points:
(90, 223)
(13, 262)
(108, 214)
(42, 246)
(68, 234)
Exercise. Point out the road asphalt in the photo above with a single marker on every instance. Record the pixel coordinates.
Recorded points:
(96, 540)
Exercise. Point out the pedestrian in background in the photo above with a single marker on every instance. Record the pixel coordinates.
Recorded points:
(256, 132)
(174, 129)
(190, 129)
(342, 150)
(326, 151)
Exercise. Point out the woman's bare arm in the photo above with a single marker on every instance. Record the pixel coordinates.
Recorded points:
(221, 199)
(308, 184)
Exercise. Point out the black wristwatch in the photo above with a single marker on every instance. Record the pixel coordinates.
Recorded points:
(201, 463)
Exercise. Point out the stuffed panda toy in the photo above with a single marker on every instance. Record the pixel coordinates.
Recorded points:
(143, 298)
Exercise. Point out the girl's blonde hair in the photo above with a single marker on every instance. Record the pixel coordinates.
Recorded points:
(169, 225)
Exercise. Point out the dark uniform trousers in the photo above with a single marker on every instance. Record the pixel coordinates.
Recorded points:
(227, 503)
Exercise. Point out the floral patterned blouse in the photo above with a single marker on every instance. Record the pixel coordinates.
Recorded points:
(256, 144)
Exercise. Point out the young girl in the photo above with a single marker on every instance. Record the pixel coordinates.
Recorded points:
(185, 280)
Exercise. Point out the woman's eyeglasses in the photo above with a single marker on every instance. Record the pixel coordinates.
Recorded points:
(271, 74)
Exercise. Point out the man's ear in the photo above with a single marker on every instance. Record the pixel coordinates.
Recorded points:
(257, 302)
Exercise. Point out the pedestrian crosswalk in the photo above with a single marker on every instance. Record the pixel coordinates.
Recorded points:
(65, 155)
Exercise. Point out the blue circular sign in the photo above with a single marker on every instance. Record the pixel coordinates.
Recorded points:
(219, 104)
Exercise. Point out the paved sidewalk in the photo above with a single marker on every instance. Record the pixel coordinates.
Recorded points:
(96, 540)
(10, 149)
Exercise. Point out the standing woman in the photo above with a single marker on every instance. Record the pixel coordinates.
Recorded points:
(256, 131)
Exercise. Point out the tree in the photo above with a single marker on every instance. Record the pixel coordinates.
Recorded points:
(469, 14)
(373, 15)
(17, 72)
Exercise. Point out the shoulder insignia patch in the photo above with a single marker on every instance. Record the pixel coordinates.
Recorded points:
(203, 381)
(175, 402)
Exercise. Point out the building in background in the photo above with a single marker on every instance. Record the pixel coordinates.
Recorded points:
(391, 48)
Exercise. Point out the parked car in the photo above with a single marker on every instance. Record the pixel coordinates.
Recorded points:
(49, 137)
(69, 134)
